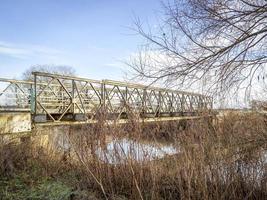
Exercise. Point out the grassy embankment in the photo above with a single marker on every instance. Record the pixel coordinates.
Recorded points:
(225, 159)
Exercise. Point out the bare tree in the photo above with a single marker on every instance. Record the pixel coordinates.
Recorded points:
(224, 40)
(56, 69)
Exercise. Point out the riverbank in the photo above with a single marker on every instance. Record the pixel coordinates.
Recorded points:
(213, 160)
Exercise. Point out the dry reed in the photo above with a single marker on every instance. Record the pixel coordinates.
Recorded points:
(217, 159)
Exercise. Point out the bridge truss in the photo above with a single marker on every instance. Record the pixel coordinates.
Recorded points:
(52, 97)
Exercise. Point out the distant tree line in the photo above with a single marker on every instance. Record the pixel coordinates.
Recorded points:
(55, 69)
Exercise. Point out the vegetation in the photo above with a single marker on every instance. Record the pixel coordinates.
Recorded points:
(55, 69)
(217, 159)
(216, 46)
(218, 43)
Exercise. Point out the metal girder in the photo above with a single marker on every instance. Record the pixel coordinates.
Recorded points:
(59, 98)
(15, 95)
(71, 95)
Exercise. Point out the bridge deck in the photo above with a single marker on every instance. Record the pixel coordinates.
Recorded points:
(120, 121)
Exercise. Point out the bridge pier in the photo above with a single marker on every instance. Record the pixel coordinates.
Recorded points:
(39, 118)
(43, 118)
(15, 122)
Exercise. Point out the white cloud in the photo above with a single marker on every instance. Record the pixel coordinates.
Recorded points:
(117, 65)
(26, 51)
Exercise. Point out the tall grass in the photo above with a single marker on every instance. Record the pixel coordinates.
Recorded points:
(216, 159)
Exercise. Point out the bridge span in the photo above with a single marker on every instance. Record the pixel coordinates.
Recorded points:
(52, 99)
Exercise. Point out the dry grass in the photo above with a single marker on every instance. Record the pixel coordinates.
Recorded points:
(220, 159)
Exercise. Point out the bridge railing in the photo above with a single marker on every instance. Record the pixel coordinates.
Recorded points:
(15, 95)
(58, 97)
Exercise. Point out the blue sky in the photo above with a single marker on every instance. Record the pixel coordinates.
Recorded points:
(93, 36)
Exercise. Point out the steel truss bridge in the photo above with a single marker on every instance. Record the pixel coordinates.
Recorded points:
(56, 98)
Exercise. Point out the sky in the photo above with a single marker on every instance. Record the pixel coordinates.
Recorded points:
(92, 36)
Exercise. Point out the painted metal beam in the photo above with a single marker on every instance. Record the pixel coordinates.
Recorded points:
(59, 98)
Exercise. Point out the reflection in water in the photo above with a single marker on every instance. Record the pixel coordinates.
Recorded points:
(119, 151)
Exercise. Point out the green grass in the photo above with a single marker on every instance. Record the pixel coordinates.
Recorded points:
(23, 187)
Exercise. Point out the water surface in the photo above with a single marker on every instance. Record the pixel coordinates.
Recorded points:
(123, 150)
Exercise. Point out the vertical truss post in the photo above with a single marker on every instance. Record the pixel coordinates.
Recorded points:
(159, 104)
(35, 96)
(73, 97)
(191, 98)
(171, 104)
(126, 99)
(32, 98)
(144, 101)
(103, 96)
(16, 95)
(183, 103)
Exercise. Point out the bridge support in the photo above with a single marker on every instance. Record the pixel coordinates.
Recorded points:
(15, 122)
(39, 118)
